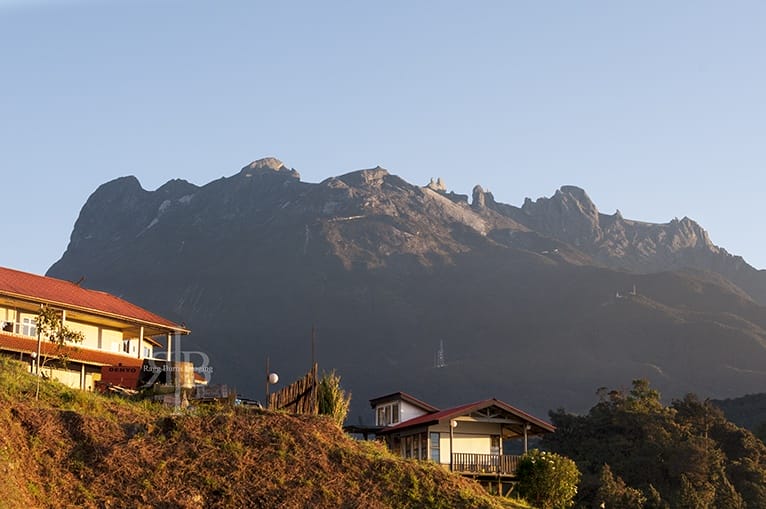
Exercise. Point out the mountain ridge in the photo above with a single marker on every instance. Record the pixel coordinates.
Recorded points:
(386, 270)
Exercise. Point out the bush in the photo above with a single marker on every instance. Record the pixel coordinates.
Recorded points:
(333, 400)
(547, 480)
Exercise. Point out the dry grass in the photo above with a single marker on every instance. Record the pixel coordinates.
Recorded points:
(72, 449)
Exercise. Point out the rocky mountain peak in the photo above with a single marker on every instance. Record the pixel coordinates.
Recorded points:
(569, 214)
(482, 198)
(373, 177)
(577, 199)
(391, 268)
(478, 197)
(268, 165)
(437, 185)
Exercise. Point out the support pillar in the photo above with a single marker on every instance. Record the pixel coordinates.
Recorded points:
(526, 428)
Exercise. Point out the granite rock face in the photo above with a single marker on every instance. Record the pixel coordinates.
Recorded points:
(615, 242)
(533, 304)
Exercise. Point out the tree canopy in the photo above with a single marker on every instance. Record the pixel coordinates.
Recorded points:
(633, 451)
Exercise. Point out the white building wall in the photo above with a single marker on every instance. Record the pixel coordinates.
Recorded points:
(111, 340)
(144, 346)
(409, 411)
(467, 437)
(7, 315)
(70, 378)
(89, 331)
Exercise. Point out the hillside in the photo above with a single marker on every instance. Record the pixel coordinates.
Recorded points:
(748, 411)
(533, 304)
(75, 449)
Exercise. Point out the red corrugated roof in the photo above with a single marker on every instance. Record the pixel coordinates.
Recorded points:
(77, 354)
(451, 413)
(62, 293)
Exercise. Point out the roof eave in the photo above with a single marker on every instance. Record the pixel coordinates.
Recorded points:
(31, 298)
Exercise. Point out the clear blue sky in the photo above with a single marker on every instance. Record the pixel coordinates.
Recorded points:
(657, 108)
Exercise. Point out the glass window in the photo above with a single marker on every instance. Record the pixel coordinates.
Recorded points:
(423, 452)
(435, 453)
(494, 447)
(387, 414)
(28, 327)
(379, 417)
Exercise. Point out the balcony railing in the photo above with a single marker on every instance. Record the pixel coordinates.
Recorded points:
(499, 464)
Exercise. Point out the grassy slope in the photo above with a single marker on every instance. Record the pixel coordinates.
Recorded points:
(74, 449)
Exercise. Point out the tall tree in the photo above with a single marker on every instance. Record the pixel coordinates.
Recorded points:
(683, 455)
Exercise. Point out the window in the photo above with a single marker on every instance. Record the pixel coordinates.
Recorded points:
(494, 445)
(385, 415)
(435, 452)
(28, 327)
(147, 352)
(423, 452)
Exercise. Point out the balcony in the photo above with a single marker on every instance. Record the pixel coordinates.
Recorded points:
(498, 465)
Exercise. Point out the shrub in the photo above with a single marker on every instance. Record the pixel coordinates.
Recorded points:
(333, 400)
(547, 480)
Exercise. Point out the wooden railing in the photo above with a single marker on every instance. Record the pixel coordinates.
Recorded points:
(468, 463)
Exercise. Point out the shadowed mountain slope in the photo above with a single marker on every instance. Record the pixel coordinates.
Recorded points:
(534, 305)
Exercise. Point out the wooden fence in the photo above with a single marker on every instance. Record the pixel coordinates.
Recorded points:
(300, 397)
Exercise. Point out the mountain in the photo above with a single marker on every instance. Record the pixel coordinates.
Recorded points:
(748, 411)
(622, 244)
(537, 305)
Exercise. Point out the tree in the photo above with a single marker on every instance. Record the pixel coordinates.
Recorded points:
(683, 455)
(654, 499)
(614, 493)
(333, 400)
(51, 328)
(694, 496)
(547, 480)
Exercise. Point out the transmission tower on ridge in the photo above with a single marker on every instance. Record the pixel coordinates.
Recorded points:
(439, 361)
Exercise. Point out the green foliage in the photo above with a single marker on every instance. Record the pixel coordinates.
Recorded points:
(547, 480)
(654, 499)
(333, 400)
(51, 327)
(683, 455)
(613, 492)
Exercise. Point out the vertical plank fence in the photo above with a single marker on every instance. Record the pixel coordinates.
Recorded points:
(300, 397)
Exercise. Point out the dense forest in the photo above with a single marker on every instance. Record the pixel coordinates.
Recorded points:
(747, 411)
(634, 452)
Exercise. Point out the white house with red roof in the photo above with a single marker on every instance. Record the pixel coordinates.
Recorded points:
(116, 333)
(468, 439)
